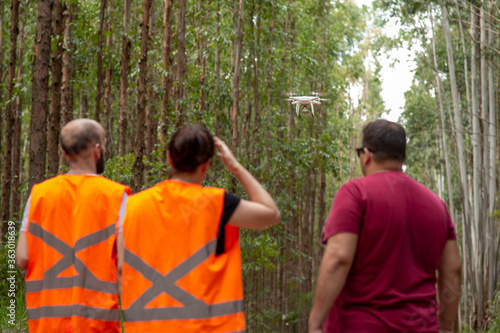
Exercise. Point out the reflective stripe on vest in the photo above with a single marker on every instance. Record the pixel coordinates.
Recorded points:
(85, 278)
(193, 308)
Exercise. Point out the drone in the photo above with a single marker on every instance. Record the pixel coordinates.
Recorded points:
(305, 101)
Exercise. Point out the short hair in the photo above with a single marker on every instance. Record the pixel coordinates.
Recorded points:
(189, 147)
(79, 134)
(385, 139)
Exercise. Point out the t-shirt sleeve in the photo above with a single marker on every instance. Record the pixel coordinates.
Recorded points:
(230, 203)
(346, 214)
(24, 222)
(451, 227)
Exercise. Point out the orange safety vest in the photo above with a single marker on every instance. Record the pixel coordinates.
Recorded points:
(71, 277)
(172, 281)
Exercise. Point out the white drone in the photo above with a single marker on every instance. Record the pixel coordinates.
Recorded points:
(305, 101)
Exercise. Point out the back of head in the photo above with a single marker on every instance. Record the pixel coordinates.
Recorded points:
(189, 147)
(386, 140)
(79, 134)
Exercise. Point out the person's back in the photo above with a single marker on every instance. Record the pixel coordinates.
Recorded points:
(196, 290)
(386, 237)
(67, 242)
(179, 253)
(403, 228)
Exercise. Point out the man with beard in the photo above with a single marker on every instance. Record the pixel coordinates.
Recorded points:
(67, 240)
(386, 238)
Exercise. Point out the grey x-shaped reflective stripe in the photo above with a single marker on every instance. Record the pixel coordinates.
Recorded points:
(85, 278)
(193, 308)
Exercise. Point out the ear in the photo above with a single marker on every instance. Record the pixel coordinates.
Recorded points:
(169, 160)
(97, 151)
(367, 156)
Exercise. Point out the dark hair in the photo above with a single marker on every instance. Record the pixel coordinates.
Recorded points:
(385, 139)
(77, 142)
(189, 147)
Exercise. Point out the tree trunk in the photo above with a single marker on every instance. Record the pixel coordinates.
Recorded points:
(55, 103)
(236, 77)
(217, 71)
(67, 70)
(141, 105)
(122, 126)
(492, 277)
(84, 104)
(1, 76)
(203, 89)
(107, 87)
(40, 88)
(99, 62)
(166, 77)
(9, 117)
(256, 99)
(476, 171)
(484, 122)
(16, 139)
(151, 94)
(181, 63)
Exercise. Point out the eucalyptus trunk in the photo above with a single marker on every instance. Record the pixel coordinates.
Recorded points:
(166, 81)
(122, 120)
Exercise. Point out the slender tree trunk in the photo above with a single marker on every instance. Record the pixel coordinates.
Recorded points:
(181, 63)
(492, 277)
(16, 139)
(484, 122)
(67, 70)
(99, 61)
(203, 89)
(106, 121)
(151, 95)
(1, 76)
(166, 80)
(55, 103)
(476, 171)
(122, 127)
(141, 105)
(256, 99)
(84, 104)
(236, 76)
(40, 88)
(217, 71)
(9, 117)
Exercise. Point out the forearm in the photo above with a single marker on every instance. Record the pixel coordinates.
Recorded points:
(253, 188)
(449, 298)
(331, 280)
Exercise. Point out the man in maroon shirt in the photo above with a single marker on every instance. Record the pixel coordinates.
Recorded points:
(386, 236)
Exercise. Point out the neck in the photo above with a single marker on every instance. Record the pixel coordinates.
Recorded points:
(81, 168)
(187, 178)
(383, 167)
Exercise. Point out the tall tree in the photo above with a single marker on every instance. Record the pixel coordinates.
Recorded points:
(141, 105)
(9, 115)
(39, 99)
(166, 77)
(2, 3)
(106, 117)
(99, 61)
(55, 103)
(122, 129)
(238, 47)
(16, 139)
(181, 63)
(67, 70)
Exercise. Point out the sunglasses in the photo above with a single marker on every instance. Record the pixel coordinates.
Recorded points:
(360, 150)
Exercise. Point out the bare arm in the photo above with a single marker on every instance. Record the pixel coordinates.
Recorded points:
(120, 253)
(335, 266)
(260, 211)
(22, 251)
(449, 285)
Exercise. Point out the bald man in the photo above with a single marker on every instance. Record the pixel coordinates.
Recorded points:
(67, 241)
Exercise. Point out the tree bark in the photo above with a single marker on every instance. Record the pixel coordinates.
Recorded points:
(84, 104)
(16, 139)
(106, 115)
(122, 127)
(203, 89)
(236, 77)
(40, 88)
(217, 71)
(141, 105)
(256, 99)
(1, 76)
(476, 171)
(151, 94)
(9, 117)
(166, 76)
(55, 103)
(67, 70)
(181, 63)
(99, 62)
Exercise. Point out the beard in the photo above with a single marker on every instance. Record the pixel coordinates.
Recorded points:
(100, 164)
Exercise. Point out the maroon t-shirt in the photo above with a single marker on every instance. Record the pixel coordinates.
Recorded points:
(403, 228)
